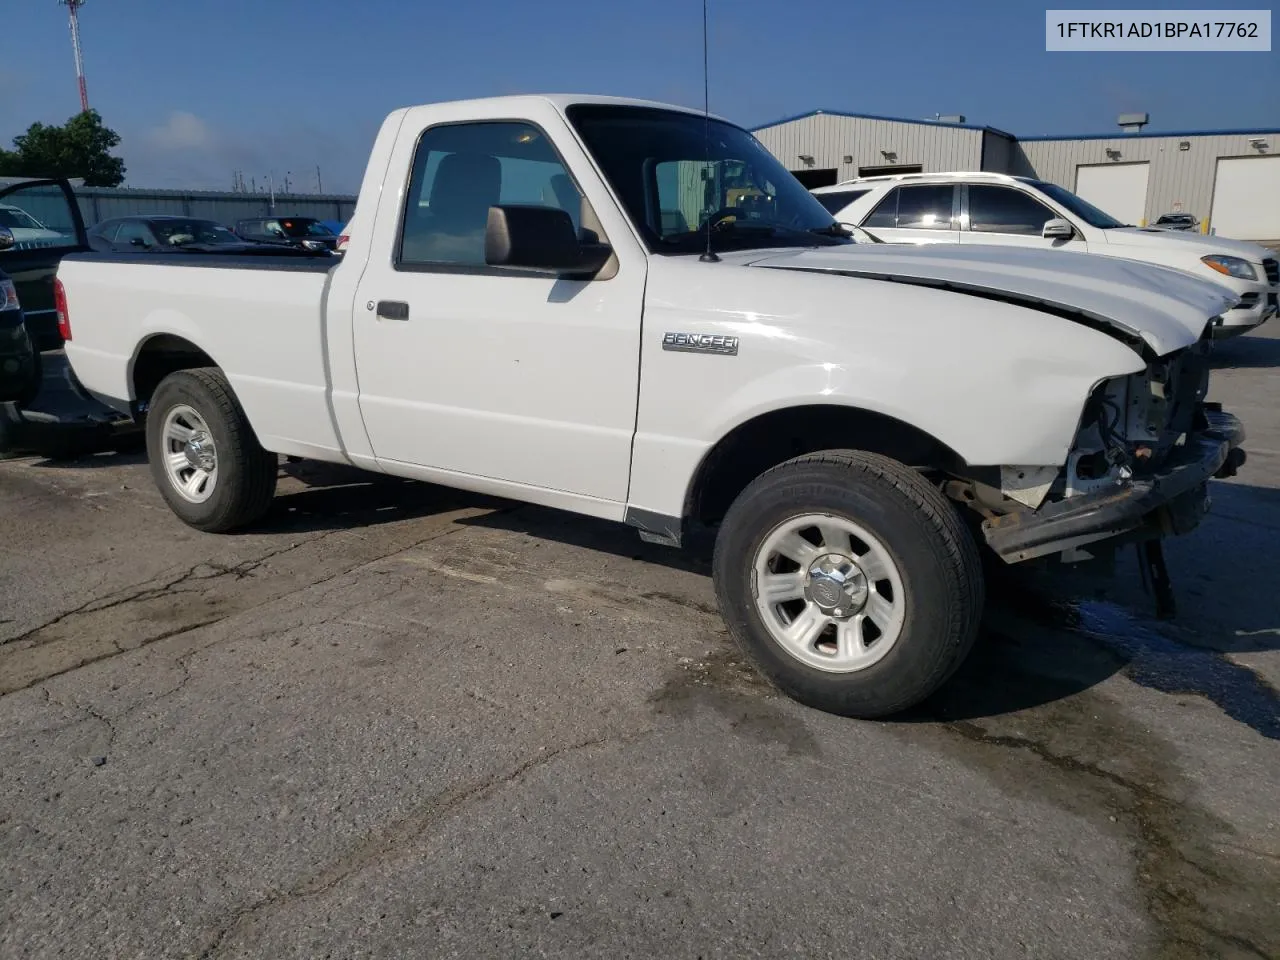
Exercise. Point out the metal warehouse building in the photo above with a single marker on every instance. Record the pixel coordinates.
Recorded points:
(1228, 179)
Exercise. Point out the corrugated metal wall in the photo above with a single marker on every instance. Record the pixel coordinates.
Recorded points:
(1176, 175)
(829, 138)
(102, 203)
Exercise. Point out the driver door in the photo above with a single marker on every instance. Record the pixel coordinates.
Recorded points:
(488, 377)
(134, 236)
(996, 214)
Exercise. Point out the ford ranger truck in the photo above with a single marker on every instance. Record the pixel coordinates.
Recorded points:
(632, 311)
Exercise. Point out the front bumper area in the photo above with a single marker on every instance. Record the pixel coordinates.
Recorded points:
(1169, 501)
(1257, 307)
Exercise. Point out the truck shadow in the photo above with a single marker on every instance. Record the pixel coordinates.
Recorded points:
(1045, 637)
(314, 496)
(1246, 352)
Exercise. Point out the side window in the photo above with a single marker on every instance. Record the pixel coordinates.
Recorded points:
(886, 212)
(272, 228)
(837, 200)
(38, 215)
(108, 231)
(460, 171)
(925, 206)
(1005, 210)
(132, 230)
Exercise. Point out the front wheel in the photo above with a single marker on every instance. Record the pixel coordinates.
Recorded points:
(204, 456)
(850, 581)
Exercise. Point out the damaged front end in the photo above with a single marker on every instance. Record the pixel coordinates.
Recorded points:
(1137, 471)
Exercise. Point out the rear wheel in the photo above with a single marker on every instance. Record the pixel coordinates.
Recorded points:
(850, 581)
(204, 457)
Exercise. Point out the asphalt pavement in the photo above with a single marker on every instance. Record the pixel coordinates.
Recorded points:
(402, 721)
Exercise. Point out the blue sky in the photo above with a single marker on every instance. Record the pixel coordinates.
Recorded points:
(199, 88)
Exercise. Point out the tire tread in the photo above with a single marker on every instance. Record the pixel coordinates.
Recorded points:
(938, 519)
(253, 483)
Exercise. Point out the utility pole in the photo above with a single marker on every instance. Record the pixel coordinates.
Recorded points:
(319, 185)
(73, 8)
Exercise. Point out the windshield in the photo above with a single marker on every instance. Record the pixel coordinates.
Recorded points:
(1083, 209)
(177, 233)
(674, 180)
(305, 228)
(14, 218)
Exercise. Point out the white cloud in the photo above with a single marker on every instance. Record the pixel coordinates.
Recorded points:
(187, 151)
(182, 131)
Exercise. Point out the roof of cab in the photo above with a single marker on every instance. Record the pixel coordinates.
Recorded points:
(564, 100)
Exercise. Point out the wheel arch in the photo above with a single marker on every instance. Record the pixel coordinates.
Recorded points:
(773, 437)
(158, 355)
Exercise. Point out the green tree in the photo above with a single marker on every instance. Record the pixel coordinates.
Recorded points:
(79, 148)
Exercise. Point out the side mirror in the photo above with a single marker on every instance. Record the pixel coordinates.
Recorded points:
(6, 239)
(138, 242)
(1057, 229)
(539, 238)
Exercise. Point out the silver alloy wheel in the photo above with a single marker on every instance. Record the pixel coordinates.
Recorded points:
(829, 592)
(190, 457)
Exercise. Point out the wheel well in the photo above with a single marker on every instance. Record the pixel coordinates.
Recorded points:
(159, 356)
(773, 438)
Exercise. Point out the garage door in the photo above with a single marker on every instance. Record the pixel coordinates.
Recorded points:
(1246, 198)
(1118, 188)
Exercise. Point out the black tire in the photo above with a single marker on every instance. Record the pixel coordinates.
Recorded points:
(246, 474)
(936, 557)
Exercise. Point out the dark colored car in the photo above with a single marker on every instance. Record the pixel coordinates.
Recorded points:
(20, 371)
(160, 235)
(306, 232)
(1177, 221)
(44, 220)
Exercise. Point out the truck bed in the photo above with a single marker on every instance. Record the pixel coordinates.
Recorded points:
(266, 331)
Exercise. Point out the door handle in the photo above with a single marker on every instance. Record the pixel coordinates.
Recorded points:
(393, 310)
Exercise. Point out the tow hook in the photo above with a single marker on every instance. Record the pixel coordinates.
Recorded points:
(1154, 576)
(1235, 460)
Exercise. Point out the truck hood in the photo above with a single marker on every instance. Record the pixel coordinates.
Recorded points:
(1165, 308)
(1197, 244)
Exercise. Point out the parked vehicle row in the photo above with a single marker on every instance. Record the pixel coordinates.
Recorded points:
(983, 209)
(634, 312)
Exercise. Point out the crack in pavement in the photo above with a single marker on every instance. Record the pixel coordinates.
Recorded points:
(148, 591)
(386, 842)
(1179, 860)
(239, 571)
(89, 714)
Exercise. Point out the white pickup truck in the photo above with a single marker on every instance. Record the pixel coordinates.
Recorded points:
(631, 311)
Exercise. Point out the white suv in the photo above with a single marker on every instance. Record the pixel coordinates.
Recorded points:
(972, 208)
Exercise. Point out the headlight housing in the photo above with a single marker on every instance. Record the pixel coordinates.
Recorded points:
(1236, 267)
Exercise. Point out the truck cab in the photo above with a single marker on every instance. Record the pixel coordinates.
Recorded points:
(632, 311)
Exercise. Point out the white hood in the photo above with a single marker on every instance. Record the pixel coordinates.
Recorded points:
(1198, 244)
(1167, 308)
